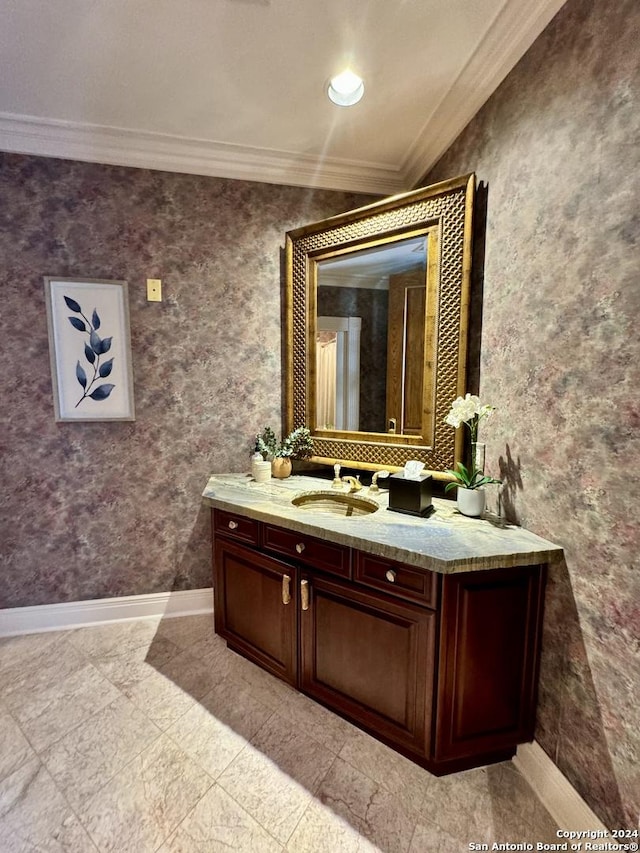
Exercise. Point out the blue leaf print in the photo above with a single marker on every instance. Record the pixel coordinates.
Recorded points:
(102, 391)
(106, 368)
(72, 305)
(95, 342)
(77, 324)
(95, 348)
(81, 376)
(105, 345)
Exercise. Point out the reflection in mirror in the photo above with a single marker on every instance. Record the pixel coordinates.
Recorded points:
(370, 338)
(338, 373)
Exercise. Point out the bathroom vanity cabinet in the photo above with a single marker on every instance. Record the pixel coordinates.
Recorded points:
(441, 666)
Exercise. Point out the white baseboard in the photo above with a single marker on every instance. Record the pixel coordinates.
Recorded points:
(555, 792)
(76, 614)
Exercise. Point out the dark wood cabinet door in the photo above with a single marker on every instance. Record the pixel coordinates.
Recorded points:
(370, 659)
(253, 611)
(488, 667)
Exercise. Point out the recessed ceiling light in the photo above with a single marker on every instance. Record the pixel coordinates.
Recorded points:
(346, 89)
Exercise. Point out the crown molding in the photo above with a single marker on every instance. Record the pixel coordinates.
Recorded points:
(146, 150)
(508, 37)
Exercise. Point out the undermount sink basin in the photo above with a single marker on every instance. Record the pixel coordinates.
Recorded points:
(335, 503)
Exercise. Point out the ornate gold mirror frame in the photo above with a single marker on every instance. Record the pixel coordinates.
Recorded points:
(442, 214)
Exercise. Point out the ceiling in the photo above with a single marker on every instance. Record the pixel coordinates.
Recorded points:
(370, 268)
(236, 88)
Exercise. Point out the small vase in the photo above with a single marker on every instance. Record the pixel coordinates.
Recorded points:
(471, 502)
(477, 455)
(281, 467)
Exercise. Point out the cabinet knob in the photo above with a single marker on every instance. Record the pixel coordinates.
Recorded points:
(300, 547)
(390, 575)
(233, 525)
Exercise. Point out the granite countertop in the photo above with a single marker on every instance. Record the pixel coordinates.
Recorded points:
(446, 542)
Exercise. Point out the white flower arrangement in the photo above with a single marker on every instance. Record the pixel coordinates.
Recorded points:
(470, 411)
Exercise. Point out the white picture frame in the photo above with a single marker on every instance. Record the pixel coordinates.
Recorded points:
(90, 349)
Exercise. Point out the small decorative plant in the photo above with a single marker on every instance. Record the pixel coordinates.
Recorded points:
(297, 445)
(469, 411)
(266, 443)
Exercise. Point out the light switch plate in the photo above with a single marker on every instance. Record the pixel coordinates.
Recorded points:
(154, 290)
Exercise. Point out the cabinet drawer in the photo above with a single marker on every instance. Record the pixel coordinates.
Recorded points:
(306, 549)
(397, 579)
(236, 526)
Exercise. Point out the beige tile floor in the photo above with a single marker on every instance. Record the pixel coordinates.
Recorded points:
(150, 735)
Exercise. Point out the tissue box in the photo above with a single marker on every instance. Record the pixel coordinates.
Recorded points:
(412, 497)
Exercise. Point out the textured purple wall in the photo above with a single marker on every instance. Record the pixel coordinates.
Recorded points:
(558, 146)
(107, 509)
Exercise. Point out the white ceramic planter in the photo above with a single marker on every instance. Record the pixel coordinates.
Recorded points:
(471, 501)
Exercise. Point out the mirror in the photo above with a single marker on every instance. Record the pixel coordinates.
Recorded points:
(370, 336)
(377, 303)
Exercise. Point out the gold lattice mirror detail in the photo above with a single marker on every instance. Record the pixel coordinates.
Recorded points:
(377, 317)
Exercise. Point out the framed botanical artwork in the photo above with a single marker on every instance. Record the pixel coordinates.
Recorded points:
(90, 348)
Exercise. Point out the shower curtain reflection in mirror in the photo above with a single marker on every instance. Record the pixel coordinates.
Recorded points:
(326, 346)
(338, 373)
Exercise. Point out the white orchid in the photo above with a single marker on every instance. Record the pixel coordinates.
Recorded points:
(470, 411)
(463, 410)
